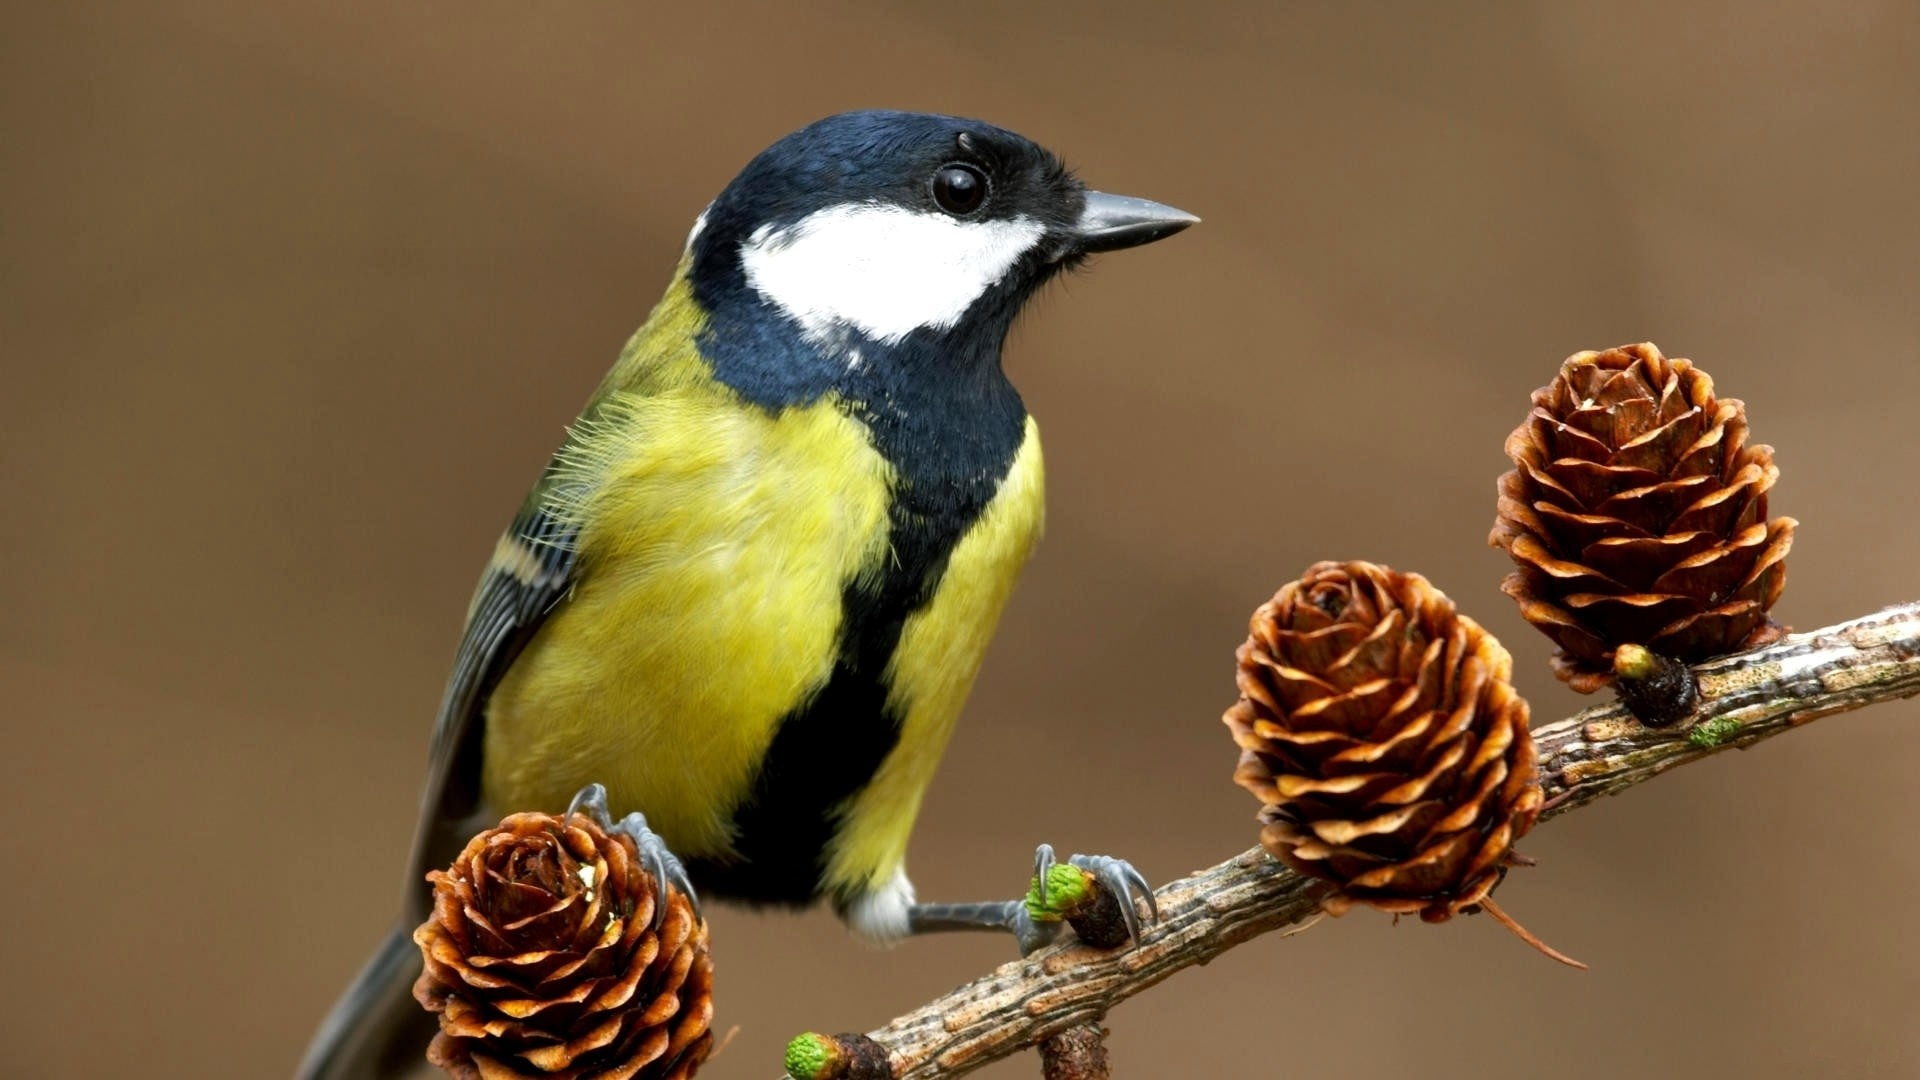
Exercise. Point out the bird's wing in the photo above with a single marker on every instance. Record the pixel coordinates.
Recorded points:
(531, 571)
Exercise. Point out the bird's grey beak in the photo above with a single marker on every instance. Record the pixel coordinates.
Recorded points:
(1112, 222)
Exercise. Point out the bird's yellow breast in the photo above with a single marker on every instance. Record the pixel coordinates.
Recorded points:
(709, 607)
(714, 548)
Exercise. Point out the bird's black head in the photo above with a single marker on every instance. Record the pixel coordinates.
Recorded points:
(867, 230)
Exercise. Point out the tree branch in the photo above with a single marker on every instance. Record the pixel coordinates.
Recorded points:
(1600, 751)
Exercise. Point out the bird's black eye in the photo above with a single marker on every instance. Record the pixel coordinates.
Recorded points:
(959, 189)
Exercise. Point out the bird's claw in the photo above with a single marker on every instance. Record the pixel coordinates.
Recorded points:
(1042, 865)
(1127, 885)
(658, 859)
(592, 802)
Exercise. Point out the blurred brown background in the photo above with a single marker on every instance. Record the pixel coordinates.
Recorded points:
(297, 299)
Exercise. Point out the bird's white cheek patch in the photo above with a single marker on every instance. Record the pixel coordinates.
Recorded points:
(884, 270)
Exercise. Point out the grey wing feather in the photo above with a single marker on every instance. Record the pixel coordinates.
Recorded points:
(530, 573)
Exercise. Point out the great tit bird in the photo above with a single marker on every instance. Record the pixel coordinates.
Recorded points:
(751, 590)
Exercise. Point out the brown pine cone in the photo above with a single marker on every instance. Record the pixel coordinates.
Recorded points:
(1637, 515)
(1378, 726)
(542, 960)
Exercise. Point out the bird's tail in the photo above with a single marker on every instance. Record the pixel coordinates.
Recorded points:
(376, 1030)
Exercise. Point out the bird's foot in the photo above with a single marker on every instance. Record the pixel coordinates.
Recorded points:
(1074, 891)
(658, 859)
(1061, 892)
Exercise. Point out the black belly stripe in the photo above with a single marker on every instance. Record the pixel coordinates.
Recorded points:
(950, 424)
(821, 755)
